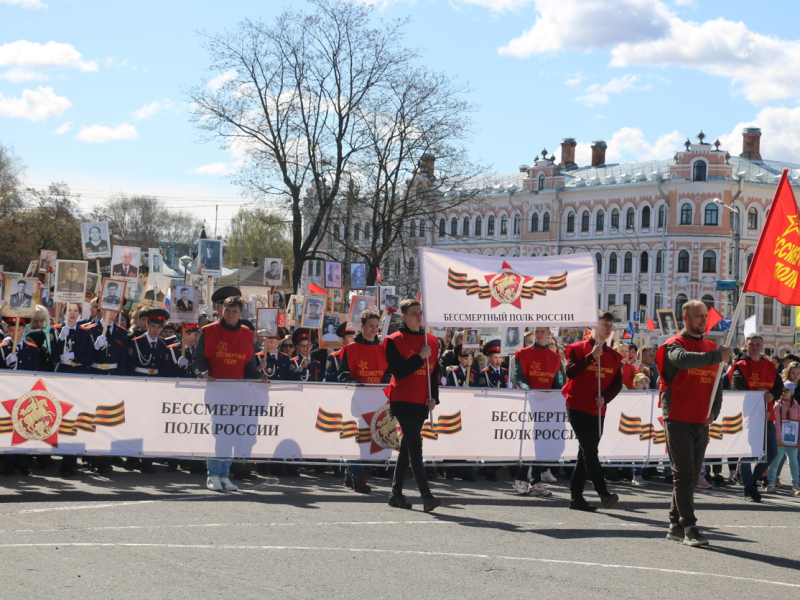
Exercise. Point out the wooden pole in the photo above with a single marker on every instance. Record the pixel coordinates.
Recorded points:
(98, 285)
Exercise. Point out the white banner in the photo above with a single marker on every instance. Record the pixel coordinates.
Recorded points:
(474, 290)
(63, 414)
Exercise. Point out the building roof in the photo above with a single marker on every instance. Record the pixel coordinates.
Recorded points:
(244, 277)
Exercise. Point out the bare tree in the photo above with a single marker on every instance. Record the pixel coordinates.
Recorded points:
(11, 172)
(144, 221)
(289, 96)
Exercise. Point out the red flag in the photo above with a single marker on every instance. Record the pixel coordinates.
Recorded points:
(650, 325)
(776, 265)
(379, 275)
(315, 289)
(713, 318)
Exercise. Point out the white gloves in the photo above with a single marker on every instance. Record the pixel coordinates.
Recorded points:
(11, 359)
(64, 334)
(100, 343)
(67, 357)
(444, 380)
(510, 385)
(183, 362)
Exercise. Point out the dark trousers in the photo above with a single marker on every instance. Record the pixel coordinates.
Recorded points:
(588, 466)
(411, 417)
(536, 473)
(686, 444)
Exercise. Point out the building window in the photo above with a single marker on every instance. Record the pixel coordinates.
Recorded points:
(310, 268)
(535, 223)
(546, 222)
(699, 172)
(708, 300)
(454, 227)
(319, 268)
(683, 261)
(615, 218)
(712, 215)
(630, 217)
(769, 311)
(659, 261)
(612, 264)
(366, 231)
(749, 261)
(749, 306)
(786, 316)
(601, 218)
(646, 216)
(465, 226)
(571, 222)
(661, 215)
(441, 228)
(626, 300)
(627, 264)
(357, 231)
(541, 181)
(599, 258)
(421, 229)
(478, 226)
(679, 302)
(504, 225)
(490, 225)
(585, 221)
(412, 266)
(686, 214)
(658, 302)
(752, 218)
(709, 261)
(612, 299)
(644, 263)
(516, 224)
(412, 229)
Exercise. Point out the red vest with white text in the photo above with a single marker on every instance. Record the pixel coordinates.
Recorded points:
(580, 393)
(227, 352)
(539, 366)
(690, 391)
(367, 362)
(413, 388)
(758, 375)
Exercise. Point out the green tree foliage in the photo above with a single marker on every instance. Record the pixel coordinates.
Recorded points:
(256, 234)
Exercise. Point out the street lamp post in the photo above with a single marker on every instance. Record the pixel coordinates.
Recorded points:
(736, 243)
(185, 261)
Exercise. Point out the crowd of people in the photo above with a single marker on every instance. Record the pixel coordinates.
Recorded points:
(414, 365)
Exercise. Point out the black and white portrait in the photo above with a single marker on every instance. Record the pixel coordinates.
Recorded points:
(358, 276)
(267, 320)
(273, 271)
(125, 262)
(71, 280)
(333, 274)
(21, 297)
(329, 325)
(112, 295)
(209, 257)
(96, 240)
(278, 299)
(312, 313)
(511, 340)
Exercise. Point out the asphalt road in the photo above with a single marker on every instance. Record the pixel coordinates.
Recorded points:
(165, 536)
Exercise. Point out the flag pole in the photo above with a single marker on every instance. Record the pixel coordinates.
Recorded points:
(729, 340)
(599, 384)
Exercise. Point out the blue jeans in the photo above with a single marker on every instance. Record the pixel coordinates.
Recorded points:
(219, 468)
(752, 476)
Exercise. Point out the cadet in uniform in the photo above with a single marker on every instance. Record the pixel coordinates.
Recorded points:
(72, 347)
(303, 367)
(177, 364)
(494, 375)
(146, 356)
(333, 361)
(462, 374)
(110, 343)
(276, 363)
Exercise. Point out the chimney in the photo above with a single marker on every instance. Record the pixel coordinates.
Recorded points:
(567, 153)
(598, 153)
(751, 143)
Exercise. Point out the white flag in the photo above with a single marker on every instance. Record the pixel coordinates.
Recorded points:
(474, 290)
(750, 325)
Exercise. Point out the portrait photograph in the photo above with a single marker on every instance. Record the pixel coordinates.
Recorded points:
(372, 290)
(471, 339)
(155, 292)
(337, 296)
(286, 281)
(358, 304)
(329, 325)
(209, 257)
(70, 280)
(667, 322)
(570, 335)
(620, 312)
(273, 271)
(95, 240)
(511, 339)
(278, 299)
(395, 323)
(133, 294)
(385, 292)
(91, 282)
(333, 274)
(183, 298)
(313, 311)
(112, 296)
(21, 296)
(200, 284)
(358, 276)
(44, 257)
(267, 320)
(155, 262)
(125, 262)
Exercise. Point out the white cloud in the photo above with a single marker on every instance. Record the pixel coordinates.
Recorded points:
(220, 80)
(101, 133)
(34, 105)
(64, 128)
(35, 4)
(217, 168)
(153, 108)
(780, 134)
(599, 94)
(629, 144)
(574, 80)
(52, 55)
(497, 5)
(21, 75)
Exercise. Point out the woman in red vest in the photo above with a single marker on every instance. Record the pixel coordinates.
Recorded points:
(688, 366)
(584, 405)
(225, 350)
(409, 400)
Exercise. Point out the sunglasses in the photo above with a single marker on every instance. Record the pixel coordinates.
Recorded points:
(287, 346)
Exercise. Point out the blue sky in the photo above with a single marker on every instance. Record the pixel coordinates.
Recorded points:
(92, 93)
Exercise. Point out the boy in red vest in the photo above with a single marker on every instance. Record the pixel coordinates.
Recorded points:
(584, 404)
(225, 350)
(688, 366)
(412, 356)
(755, 372)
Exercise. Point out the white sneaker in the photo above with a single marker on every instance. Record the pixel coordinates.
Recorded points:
(770, 487)
(639, 480)
(213, 483)
(548, 477)
(796, 490)
(539, 489)
(521, 487)
(227, 485)
(703, 484)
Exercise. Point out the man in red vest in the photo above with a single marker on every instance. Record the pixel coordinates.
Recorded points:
(688, 366)
(755, 372)
(225, 350)
(536, 367)
(362, 361)
(584, 405)
(412, 356)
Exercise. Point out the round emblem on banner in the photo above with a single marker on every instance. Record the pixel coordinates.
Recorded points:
(506, 285)
(36, 415)
(385, 429)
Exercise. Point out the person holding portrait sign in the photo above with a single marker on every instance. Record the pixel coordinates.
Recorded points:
(787, 424)
(110, 341)
(333, 361)
(303, 366)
